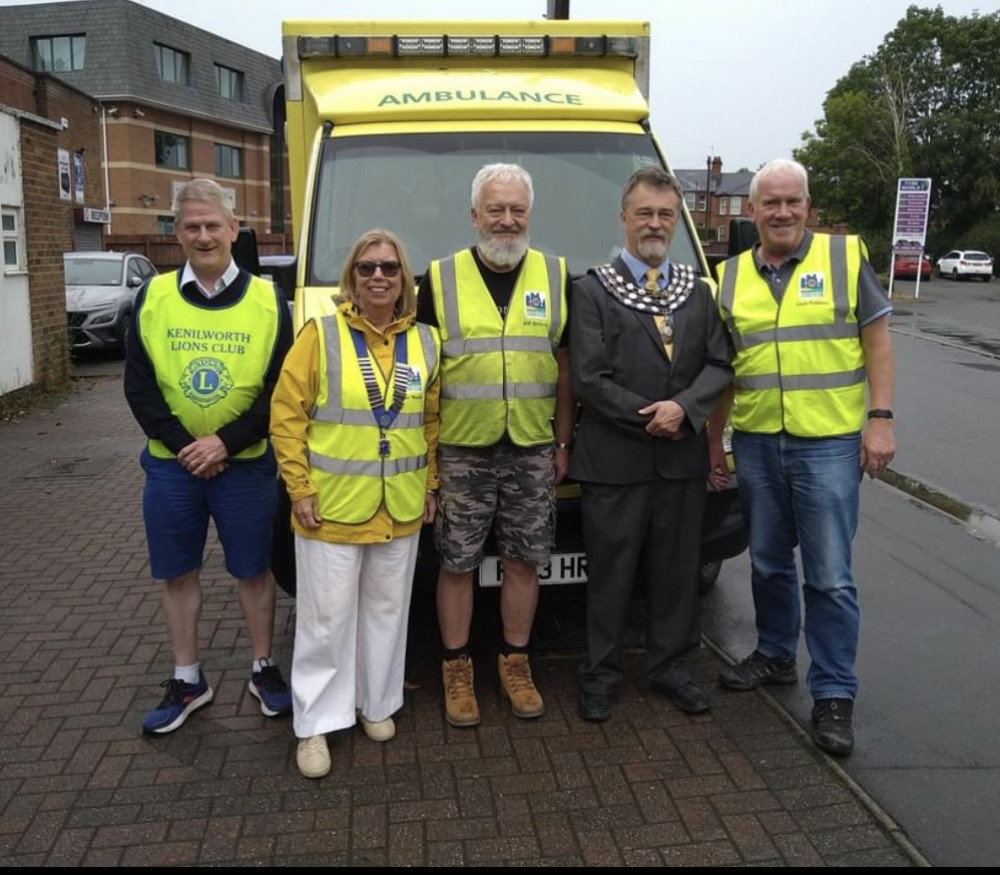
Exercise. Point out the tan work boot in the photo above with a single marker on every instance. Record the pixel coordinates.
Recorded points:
(517, 685)
(460, 705)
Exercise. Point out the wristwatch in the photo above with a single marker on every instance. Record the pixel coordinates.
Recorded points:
(880, 413)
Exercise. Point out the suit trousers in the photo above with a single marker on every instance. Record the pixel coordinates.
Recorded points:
(351, 610)
(651, 533)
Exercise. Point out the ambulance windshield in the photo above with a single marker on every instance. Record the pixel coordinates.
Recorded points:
(418, 186)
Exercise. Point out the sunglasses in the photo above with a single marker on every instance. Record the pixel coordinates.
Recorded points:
(367, 268)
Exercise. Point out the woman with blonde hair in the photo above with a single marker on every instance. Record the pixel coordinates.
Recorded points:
(354, 423)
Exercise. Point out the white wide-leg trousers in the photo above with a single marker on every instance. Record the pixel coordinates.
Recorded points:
(352, 606)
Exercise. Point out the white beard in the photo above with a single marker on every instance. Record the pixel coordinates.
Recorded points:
(653, 250)
(503, 252)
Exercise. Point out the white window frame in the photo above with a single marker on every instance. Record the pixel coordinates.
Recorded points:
(735, 205)
(723, 205)
(12, 230)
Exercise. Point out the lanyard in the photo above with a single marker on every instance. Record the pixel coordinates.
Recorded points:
(384, 416)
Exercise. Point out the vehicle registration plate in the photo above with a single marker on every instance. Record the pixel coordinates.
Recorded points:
(563, 568)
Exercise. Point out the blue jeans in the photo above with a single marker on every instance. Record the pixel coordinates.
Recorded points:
(804, 492)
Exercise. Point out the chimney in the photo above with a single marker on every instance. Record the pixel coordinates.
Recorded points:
(717, 167)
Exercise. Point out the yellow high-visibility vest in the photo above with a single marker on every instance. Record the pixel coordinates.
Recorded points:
(800, 366)
(499, 375)
(210, 362)
(353, 470)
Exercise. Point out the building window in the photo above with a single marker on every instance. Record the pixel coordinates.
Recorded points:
(164, 224)
(735, 206)
(723, 205)
(701, 202)
(228, 161)
(174, 66)
(59, 54)
(229, 83)
(12, 234)
(721, 236)
(171, 151)
(689, 200)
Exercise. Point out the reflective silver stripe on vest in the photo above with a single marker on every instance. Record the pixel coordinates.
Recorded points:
(458, 346)
(429, 348)
(333, 410)
(387, 468)
(555, 296)
(802, 381)
(839, 330)
(727, 295)
(835, 331)
(495, 391)
(449, 297)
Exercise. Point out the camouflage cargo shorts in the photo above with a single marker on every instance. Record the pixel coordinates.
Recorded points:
(506, 487)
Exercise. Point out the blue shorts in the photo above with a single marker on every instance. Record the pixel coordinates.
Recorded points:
(176, 506)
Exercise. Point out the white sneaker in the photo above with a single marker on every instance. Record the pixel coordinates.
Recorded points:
(313, 756)
(379, 730)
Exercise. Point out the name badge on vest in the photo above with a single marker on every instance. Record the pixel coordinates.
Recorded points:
(811, 287)
(536, 307)
(414, 384)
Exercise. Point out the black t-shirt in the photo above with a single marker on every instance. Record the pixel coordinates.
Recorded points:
(500, 284)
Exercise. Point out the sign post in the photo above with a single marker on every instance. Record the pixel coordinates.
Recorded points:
(909, 230)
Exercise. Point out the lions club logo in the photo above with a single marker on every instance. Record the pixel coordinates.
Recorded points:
(206, 381)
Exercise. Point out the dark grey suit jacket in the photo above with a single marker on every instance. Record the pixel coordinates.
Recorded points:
(618, 366)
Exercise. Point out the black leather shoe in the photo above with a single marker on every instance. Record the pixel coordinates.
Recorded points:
(689, 698)
(832, 731)
(594, 707)
(757, 670)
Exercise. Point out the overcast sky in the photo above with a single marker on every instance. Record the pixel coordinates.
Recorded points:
(742, 79)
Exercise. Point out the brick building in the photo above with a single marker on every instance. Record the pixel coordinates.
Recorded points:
(713, 199)
(51, 201)
(175, 102)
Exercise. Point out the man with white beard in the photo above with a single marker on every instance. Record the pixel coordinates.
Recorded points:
(501, 309)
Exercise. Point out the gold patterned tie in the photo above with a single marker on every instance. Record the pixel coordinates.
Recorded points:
(663, 325)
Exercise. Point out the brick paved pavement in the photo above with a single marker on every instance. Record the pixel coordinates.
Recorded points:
(83, 649)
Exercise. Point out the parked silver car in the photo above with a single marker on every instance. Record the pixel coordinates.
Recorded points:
(100, 292)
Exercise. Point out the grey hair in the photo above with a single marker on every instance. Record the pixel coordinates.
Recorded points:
(501, 173)
(652, 176)
(206, 191)
(779, 165)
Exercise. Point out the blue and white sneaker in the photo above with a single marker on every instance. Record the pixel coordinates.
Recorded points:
(268, 687)
(180, 701)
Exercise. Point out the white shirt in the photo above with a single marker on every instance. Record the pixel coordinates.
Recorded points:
(230, 274)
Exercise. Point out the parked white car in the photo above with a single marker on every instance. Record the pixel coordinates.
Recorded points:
(963, 263)
(100, 292)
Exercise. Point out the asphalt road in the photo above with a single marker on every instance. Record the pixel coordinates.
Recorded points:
(929, 702)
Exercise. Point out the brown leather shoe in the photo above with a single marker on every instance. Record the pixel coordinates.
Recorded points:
(517, 685)
(460, 705)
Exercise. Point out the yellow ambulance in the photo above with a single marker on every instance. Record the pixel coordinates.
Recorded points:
(388, 122)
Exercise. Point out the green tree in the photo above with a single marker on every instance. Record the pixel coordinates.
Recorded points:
(926, 103)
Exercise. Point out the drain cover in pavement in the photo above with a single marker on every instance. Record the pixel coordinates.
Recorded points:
(70, 466)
